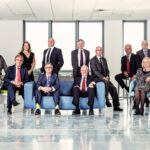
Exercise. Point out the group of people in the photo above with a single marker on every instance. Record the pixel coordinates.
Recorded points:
(133, 66)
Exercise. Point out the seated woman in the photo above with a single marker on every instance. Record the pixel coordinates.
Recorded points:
(143, 85)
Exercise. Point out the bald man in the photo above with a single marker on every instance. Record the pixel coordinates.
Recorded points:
(144, 52)
(54, 56)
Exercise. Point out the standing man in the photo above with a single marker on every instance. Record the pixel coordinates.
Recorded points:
(128, 67)
(100, 69)
(144, 52)
(84, 86)
(54, 56)
(15, 78)
(79, 57)
(47, 85)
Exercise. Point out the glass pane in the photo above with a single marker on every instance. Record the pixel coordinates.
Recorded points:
(134, 35)
(37, 35)
(64, 35)
(91, 33)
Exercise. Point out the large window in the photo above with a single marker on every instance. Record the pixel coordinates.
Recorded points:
(91, 32)
(65, 34)
(37, 34)
(134, 34)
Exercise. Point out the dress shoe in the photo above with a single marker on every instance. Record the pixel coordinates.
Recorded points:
(117, 109)
(57, 112)
(108, 104)
(76, 112)
(147, 104)
(38, 112)
(9, 112)
(15, 103)
(137, 112)
(91, 112)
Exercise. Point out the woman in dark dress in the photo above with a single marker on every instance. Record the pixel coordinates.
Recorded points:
(143, 85)
(29, 59)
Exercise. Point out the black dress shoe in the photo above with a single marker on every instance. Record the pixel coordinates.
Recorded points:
(76, 112)
(108, 104)
(147, 104)
(9, 112)
(91, 112)
(38, 112)
(137, 112)
(117, 109)
(15, 103)
(57, 112)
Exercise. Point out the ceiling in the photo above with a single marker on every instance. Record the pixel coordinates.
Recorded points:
(74, 9)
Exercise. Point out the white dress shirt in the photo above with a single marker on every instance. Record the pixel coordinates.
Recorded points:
(79, 56)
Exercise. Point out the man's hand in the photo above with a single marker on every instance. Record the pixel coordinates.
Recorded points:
(106, 78)
(126, 74)
(46, 89)
(133, 77)
(147, 79)
(91, 85)
(77, 86)
(17, 84)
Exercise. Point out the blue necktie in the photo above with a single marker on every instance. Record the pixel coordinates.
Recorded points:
(48, 84)
(145, 53)
(48, 55)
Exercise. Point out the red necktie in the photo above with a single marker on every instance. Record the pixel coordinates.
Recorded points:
(83, 84)
(128, 65)
(18, 75)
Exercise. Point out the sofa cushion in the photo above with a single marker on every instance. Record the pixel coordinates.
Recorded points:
(66, 88)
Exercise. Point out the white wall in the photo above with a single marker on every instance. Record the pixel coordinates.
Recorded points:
(11, 37)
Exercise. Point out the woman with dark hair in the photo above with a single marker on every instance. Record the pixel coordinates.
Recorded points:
(29, 59)
(142, 86)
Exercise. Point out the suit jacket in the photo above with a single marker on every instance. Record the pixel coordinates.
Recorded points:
(90, 79)
(54, 81)
(74, 60)
(133, 64)
(96, 67)
(11, 74)
(140, 56)
(56, 59)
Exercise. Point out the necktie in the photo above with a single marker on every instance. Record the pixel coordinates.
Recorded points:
(83, 85)
(128, 65)
(48, 84)
(18, 75)
(48, 55)
(145, 53)
(102, 68)
(81, 58)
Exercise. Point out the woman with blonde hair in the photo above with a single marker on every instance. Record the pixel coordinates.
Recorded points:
(142, 86)
(29, 59)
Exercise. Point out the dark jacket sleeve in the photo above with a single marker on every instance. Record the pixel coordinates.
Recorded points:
(60, 60)
(39, 81)
(57, 84)
(107, 69)
(73, 62)
(7, 79)
(43, 61)
(123, 68)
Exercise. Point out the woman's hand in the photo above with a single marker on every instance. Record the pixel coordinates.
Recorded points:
(29, 72)
(147, 79)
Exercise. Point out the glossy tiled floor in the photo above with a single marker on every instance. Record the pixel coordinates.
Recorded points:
(105, 131)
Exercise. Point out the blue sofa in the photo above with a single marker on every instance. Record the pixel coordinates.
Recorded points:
(65, 97)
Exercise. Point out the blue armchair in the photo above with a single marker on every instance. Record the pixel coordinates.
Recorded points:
(65, 97)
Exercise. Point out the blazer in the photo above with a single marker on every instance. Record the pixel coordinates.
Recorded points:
(140, 56)
(74, 60)
(56, 59)
(11, 74)
(54, 81)
(133, 64)
(96, 67)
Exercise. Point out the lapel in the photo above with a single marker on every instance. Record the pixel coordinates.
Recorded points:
(142, 54)
(14, 71)
(44, 79)
(52, 53)
(21, 72)
(51, 79)
(148, 53)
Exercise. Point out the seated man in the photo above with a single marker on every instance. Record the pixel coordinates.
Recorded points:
(14, 80)
(129, 67)
(47, 85)
(84, 86)
(100, 69)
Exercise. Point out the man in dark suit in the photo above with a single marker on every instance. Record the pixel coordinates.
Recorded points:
(128, 67)
(54, 56)
(79, 57)
(47, 85)
(84, 86)
(15, 78)
(100, 69)
(144, 52)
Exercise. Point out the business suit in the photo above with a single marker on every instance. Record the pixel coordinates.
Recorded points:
(54, 82)
(77, 92)
(10, 76)
(133, 63)
(100, 73)
(75, 62)
(56, 59)
(140, 55)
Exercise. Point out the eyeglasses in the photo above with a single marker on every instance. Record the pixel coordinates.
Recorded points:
(48, 67)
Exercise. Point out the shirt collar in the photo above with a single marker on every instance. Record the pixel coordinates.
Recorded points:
(129, 55)
(99, 57)
(144, 49)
